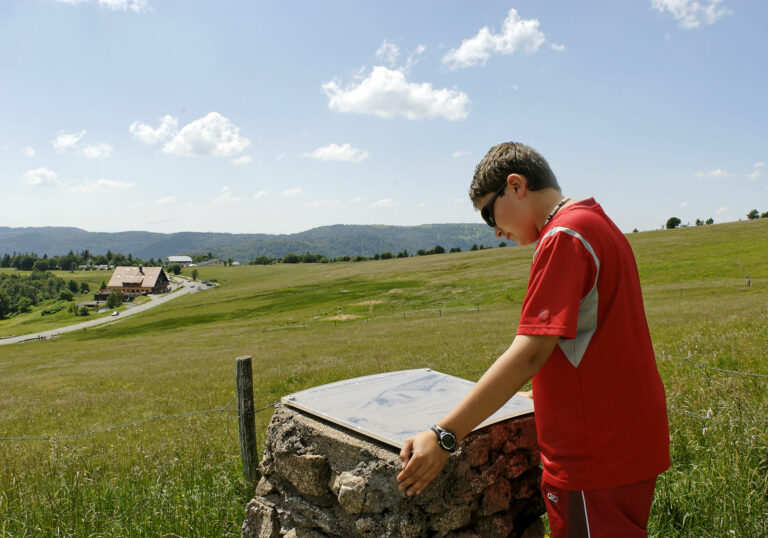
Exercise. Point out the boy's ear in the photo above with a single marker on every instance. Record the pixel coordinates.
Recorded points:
(518, 183)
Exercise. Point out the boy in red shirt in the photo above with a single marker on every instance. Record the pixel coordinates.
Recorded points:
(583, 339)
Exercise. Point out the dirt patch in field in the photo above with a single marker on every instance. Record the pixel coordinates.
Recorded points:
(456, 291)
(342, 317)
(368, 303)
(394, 291)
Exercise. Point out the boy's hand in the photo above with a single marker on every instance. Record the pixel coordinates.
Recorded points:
(422, 460)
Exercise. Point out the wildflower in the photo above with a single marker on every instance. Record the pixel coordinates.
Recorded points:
(710, 414)
(703, 431)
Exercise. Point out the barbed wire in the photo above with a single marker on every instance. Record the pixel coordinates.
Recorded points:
(738, 372)
(137, 422)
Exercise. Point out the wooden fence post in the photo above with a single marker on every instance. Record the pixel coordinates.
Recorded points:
(247, 419)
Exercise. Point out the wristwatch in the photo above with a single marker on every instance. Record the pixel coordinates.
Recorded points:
(446, 439)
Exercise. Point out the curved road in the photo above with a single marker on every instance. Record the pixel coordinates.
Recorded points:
(155, 300)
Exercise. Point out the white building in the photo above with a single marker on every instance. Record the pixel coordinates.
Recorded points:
(184, 261)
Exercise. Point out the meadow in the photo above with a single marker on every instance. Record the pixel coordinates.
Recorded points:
(311, 324)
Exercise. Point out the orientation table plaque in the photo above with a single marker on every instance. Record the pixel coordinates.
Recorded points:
(393, 406)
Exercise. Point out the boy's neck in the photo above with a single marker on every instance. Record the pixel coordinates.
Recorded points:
(544, 203)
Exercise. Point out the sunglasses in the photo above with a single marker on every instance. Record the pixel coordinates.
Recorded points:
(487, 211)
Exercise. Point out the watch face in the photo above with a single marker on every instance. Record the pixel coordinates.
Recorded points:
(448, 440)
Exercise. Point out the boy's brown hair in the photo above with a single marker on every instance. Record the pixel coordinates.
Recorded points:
(511, 158)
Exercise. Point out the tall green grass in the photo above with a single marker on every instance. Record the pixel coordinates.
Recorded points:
(454, 313)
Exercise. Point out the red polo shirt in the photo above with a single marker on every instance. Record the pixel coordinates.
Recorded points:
(601, 413)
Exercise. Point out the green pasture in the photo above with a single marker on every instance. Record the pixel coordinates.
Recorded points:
(310, 324)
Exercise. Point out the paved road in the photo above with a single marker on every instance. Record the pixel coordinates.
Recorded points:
(186, 287)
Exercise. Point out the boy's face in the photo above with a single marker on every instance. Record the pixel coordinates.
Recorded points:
(512, 213)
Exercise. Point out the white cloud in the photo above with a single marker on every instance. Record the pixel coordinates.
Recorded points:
(386, 93)
(755, 174)
(421, 204)
(210, 135)
(101, 185)
(260, 194)
(70, 143)
(388, 52)
(460, 153)
(167, 200)
(147, 135)
(722, 210)
(356, 200)
(138, 6)
(692, 13)
(334, 152)
(383, 203)
(717, 173)
(684, 204)
(516, 35)
(557, 47)
(292, 193)
(245, 159)
(96, 151)
(226, 196)
(67, 142)
(41, 176)
(28, 151)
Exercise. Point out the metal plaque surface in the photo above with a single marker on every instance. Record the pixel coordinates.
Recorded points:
(393, 406)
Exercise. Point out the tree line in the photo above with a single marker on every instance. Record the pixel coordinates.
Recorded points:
(674, 222)
(69, 262)
(308, 257)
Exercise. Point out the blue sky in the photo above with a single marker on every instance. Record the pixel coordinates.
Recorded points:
(276, 117)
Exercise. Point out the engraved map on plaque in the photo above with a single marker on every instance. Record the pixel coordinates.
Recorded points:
(393, 406)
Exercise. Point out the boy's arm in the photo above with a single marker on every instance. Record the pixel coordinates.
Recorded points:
(423, 458)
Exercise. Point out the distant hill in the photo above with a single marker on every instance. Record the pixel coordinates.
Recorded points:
(331, 241)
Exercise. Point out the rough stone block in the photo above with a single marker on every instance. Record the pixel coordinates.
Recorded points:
(322, 480)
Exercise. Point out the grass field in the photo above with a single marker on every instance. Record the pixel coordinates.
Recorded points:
(310, 324)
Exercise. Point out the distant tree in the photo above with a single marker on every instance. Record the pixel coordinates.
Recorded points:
(754, 214)
(710, 220)
(262, 260)
(421, 252)
(194, 274)
(73, 287)
(387, 255)
(65, 295)
(474, 247)
(403, 254)
(764, 215)
(115, 299)
(176, 269)
(291, 258)
(360, 258)
(103, 285)
(455, 249)
(6, 261)
(673, 222)
(438, 250)
(634, 231)
(84, 311)
(229, 261)
(699, 222)
(23, 304)
(40, 265)
(5, 304)
(84, 287)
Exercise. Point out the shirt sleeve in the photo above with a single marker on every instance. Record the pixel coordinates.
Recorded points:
(562, 273)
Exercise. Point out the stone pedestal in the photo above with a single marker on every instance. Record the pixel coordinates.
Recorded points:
(322, 480)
